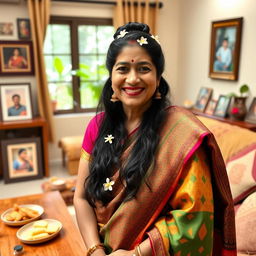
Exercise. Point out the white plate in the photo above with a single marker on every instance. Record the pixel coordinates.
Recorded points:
(36, 207)
(21, 232)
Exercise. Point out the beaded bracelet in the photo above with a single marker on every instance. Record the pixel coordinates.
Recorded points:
(95, 247)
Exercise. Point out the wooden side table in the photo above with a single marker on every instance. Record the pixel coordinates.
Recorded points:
(28, 128)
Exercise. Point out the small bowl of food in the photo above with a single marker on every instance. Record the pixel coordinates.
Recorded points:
(20, 215)
(57, 184)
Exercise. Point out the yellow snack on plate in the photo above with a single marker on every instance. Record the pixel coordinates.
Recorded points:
(40, 236)
(52, 228)
(36, 231)
(40, 224)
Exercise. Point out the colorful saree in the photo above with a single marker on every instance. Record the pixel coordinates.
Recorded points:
(188, 209)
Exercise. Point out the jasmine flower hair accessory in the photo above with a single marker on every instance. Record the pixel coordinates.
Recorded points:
(122, 33)
(109, 138)
(156, 38)
(108, 185)
(142, 41)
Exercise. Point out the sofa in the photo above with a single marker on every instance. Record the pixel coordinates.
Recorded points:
(238, 147)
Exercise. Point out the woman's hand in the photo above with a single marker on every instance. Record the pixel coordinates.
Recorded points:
(121, 252)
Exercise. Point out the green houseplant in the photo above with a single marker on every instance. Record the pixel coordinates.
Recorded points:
(238, 108)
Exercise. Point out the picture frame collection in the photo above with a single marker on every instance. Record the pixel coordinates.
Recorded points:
(205, 104)
(21, 157)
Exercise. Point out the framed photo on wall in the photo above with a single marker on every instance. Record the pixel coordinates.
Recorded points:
(22, 159)
(222, 106)
(15, 102)
(251, 115)
(23, 26)
(16, 58)
(203, 98)
(225, 49)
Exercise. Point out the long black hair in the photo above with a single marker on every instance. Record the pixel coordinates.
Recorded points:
(105, 158)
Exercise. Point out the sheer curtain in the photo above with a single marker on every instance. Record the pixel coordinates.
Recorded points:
(39, 13)
(136, 11)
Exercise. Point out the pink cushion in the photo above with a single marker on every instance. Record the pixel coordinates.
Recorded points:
(246, 226)
(241, 170)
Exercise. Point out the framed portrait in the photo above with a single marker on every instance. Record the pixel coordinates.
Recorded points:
(222, 106)
(16, 58)
(22, 159)
(203, 98)
(6, 29)
(210, 107)
(15, 102)
(225, 49)
(23, 26)
(251, 115)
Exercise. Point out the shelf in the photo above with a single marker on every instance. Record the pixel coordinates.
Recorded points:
(33, 127)
(242, 124)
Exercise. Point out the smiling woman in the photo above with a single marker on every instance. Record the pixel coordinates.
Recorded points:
(147, 180)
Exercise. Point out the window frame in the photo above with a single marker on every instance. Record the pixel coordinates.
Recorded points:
(74, 23)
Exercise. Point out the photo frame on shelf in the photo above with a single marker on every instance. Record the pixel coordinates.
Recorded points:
(15, 102)
(225, 49)
(210, 107)
(16, 58)
(222, 106)
(251, 115)
(22, 159)
(6, 29)
(23, 26)
(203, 98)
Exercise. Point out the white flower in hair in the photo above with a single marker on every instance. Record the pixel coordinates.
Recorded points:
(156, 38)
(109, 138)
(122, 33)
(108, 185)
(142, 41)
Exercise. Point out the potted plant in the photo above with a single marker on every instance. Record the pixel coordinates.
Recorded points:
(238, 109)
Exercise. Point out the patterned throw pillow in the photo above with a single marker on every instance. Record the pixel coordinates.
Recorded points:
(241, 171)
(246, 226)
(238, 147)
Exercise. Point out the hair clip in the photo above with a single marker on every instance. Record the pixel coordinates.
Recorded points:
(142, 41)
(156, 38)
(108, 185)
(109, 138)
(122, 33)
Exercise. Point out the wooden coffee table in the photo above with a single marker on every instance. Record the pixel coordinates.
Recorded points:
(69, 242)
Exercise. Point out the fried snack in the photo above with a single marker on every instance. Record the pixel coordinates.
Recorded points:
(52, 228)
(40, 236)
(36, 231)
(40, 224)
(21, 213)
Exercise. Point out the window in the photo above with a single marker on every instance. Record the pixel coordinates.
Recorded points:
(75, 52)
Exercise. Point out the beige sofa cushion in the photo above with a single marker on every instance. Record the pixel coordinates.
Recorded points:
(71, 145)
(238, 147)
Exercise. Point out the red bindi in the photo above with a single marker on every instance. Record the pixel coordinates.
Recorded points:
(132, 60)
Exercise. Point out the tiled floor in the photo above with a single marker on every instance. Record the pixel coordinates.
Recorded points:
(34, 186)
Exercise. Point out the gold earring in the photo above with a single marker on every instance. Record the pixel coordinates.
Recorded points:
(114, 98)
(158, 95)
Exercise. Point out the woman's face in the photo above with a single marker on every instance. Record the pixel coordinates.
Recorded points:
(134, 77)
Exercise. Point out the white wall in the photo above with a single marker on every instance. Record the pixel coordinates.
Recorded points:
(194, 52)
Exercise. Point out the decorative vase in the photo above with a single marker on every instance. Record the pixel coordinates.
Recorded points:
(238, 108)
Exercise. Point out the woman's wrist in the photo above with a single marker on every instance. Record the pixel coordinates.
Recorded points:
(97, 249)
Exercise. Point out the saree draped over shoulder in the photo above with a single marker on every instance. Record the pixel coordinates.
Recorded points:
(188, 209)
